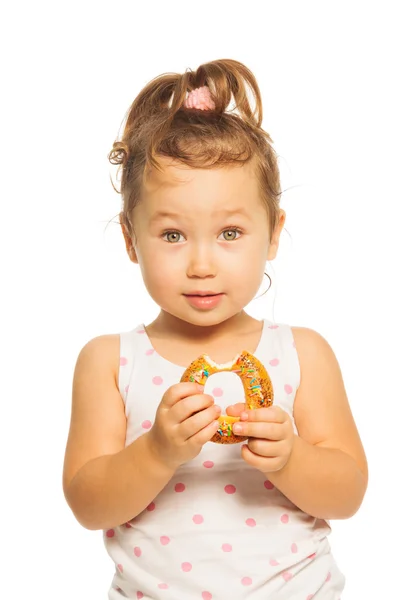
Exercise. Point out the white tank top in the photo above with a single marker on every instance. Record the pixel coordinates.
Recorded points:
(219, 529)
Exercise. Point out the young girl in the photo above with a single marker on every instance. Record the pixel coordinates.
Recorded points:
(183, 518)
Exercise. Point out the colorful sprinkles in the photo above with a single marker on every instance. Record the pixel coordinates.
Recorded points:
(225, 429)
(256, 383)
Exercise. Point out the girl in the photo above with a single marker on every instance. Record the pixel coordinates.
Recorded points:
(184, 519)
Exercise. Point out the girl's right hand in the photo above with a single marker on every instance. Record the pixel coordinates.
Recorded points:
(185, 420)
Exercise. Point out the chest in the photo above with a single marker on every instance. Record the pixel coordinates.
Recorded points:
(222, 352)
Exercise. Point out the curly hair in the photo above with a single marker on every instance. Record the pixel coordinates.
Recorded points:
(159, 125)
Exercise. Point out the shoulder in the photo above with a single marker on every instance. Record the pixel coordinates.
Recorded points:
(105, 351)
(308, 340)
(321, 407)
(315, 353)
(319, 371)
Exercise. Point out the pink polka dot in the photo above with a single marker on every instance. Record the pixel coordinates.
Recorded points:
(150, 351)
(313, 555)
(137, 551)
(230, 489)
(208, 464)
(128, 525)
(273, 562)
(126, 389)
(274, 362)
(141, 331)
(217, 392)
(268, 484)
(285, 518)
(151, 506)
(198, 519)
(164, 539)
(163, 586)
(310, 597)
(288, 388)
(146, 424)
(110, 533)
(157, 380)
(206, 596)
(294, 548)
(287, 576)
(328, 577)
(139, 595)
(180, 487)
(226, 548)
(120, 568)
(247, 581)
(186, 567)
(273, 326)
(123, 361)
(250, 522)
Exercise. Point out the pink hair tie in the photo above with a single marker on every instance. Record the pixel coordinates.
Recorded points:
(200, 98)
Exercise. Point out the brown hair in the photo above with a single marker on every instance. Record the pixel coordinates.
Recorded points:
(158, 124)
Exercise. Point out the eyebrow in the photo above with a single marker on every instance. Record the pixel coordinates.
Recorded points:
(161, 214)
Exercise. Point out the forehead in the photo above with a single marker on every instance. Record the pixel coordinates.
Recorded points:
(183, 189)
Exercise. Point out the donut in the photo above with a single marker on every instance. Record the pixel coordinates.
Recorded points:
(255, 380)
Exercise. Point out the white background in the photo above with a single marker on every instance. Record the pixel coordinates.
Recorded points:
(328, 73)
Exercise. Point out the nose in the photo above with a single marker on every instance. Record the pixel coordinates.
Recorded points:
(201, 262)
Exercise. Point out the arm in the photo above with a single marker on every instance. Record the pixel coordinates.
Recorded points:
(104, 483)
(322, 470)
(327, 473)
(324, 482)
(111, 490)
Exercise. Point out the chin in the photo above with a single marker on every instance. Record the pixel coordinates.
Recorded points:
(207, 318)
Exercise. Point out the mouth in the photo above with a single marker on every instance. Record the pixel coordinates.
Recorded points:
(204, 300)
(202, 294)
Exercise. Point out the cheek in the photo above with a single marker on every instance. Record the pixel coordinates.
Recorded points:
(159, 268)
(249, 263)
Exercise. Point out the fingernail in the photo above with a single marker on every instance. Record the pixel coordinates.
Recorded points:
(244, 416)
(237, 428)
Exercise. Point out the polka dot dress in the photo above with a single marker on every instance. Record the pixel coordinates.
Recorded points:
(219, 529)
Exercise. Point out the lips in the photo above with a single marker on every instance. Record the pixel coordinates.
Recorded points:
(202, 294)
(204, 301)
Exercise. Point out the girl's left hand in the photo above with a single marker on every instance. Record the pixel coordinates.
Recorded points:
(270, 433)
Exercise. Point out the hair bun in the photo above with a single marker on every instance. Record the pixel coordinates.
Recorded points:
(119, 154)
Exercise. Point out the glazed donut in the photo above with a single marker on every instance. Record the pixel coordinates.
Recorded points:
(255, 380)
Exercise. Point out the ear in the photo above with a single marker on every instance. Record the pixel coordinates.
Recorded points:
(128, 240)
(274, 245)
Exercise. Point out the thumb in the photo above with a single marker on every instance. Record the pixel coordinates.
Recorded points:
(235, 410)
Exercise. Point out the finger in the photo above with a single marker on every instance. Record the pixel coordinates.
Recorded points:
(178, 391)
(265, 431)
(261, 463)
(205, 434)
(199, 421)
(235, 410)
(266, 448)
(272, 414)
(187, 407)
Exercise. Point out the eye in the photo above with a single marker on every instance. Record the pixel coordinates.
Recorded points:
(172, 236)
(231, 230)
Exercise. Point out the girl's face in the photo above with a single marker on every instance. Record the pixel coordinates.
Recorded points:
(206, 233)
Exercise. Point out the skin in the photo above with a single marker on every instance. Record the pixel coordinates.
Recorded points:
(213, 256)
(323, 469)
(202, 257)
